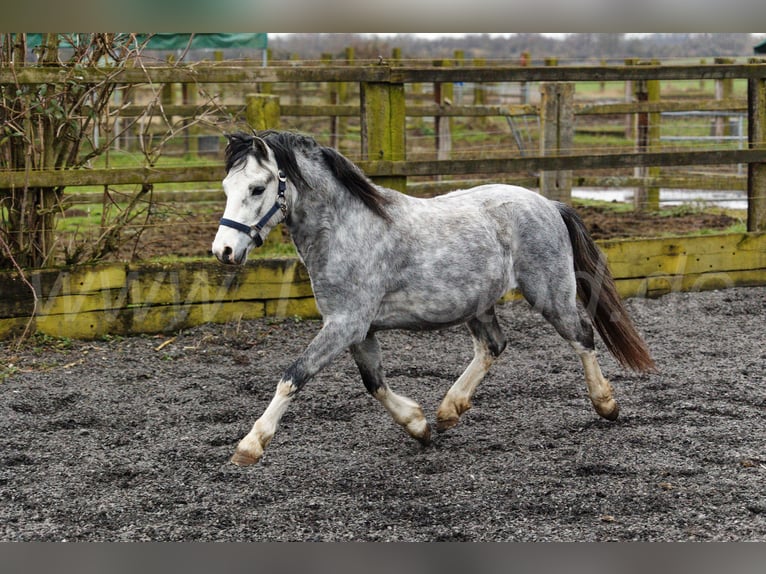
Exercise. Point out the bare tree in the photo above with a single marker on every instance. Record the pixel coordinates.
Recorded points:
(46, 127)
(66, 125)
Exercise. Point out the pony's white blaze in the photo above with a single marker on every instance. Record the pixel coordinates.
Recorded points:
(379, 259)
(230, 245)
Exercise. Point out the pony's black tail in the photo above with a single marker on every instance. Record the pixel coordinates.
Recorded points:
(598, 293)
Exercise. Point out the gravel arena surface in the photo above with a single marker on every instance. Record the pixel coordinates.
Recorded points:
(128, 439)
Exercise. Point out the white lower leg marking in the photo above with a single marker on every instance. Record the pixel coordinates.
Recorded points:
(250, 448)
(406, 412)
(599, 389)
(458, 398)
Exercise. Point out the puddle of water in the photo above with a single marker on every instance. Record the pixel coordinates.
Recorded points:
(728, 199)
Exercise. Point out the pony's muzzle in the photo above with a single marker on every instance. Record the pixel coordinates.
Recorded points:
(230, 247)
(225, 254)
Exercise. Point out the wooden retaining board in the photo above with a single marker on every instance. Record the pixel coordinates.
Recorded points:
(119, 298)
(653, 267)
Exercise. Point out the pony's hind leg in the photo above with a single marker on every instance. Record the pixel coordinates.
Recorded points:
(404, 411)
(558, 304)
(488, 343)
(599, 389)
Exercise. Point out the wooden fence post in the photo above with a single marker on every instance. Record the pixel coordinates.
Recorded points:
(556, 136)
(647, 197)
(459, 62)
(168, 92)
(479, 89)
(266, 87)
(191, 133)
(333, 99)
(443, 96)
(602, 83)
(296, 86)
(756, 138)
(480, 95)
(524, 61)
(629, 95)
(343, 96)
(128, 137)
(724, 90)
(262, 111)
(383, 127)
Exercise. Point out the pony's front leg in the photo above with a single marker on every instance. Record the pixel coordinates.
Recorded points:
(403, 410)
(250, 449)
(336, 335)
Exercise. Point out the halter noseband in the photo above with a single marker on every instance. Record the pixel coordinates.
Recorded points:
(254, 232)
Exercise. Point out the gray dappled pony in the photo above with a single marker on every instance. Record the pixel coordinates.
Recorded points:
(379, 259)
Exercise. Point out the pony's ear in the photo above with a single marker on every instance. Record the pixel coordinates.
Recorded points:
(260, 146)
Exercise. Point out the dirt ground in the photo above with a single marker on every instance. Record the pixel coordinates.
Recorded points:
(604, 223)
(128, 439)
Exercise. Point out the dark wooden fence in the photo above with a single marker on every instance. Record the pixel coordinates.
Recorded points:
(382, 112)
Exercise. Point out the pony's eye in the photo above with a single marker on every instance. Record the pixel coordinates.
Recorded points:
(257, 189)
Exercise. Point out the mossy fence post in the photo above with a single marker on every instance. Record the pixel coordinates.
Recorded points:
(556, 136)
(383, 114)
(262, 111)
(647, 197)
(756, 138)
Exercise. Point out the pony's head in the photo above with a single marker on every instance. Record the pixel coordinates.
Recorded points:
(255, 198)
(263, 178)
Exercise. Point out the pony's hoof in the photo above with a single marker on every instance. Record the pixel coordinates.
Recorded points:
(443, 425)
(242, 458)
(610, 414)
(449, 414)
(425, 437)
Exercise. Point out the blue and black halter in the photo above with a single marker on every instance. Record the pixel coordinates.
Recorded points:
(254, 232)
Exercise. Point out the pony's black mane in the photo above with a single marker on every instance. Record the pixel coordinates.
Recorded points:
(284, 144)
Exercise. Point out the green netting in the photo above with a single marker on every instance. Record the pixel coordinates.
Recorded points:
(181, 41)
(204, 41)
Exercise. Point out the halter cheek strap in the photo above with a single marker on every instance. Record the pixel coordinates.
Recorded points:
(254, 232)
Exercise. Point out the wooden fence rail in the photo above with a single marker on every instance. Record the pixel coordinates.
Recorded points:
(388, 168)
(385, 73)
(306, 110)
